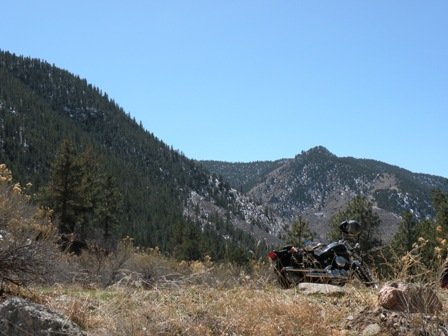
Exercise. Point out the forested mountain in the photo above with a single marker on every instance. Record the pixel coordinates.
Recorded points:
(187, 208)
(169, 201)
(316, 184)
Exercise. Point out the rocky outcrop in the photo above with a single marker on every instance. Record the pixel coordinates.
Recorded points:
(23, 317)
(403, 309)
(410, 298)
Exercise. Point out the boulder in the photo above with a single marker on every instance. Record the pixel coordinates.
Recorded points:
(22, 317)
(410, 298)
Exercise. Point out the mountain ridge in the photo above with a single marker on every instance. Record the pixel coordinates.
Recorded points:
(315, 184)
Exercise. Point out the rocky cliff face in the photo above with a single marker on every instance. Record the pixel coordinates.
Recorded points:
(221, 205)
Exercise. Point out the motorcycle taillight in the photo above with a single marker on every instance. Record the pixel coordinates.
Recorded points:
(272, 255)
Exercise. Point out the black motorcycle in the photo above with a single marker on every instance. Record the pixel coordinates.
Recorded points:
(335, 263)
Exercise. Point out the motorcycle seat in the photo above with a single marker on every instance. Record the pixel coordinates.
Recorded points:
(311, 247)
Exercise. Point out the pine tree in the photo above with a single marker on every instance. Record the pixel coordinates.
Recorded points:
(83, 197)
(433, 234)
(427, 240)
(186, 241)
(361, 210)
(101, 199)
(108, 206)
(440, 202)
(299, 233)
(63, 194)
(406, 235)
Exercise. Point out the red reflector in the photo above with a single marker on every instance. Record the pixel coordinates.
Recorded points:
(272, 255)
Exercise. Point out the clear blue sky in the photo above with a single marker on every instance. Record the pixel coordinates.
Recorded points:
(259, 80)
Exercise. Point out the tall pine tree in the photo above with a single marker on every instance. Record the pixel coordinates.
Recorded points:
(440, 202)
(83, 197)
(63, 193)
(299, 233)
(406, 235)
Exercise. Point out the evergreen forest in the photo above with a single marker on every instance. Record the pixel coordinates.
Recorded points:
(99, 170)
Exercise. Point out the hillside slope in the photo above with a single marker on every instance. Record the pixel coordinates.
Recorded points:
(169, 200)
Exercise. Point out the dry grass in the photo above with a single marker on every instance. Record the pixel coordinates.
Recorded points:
(245, 309)
(205, 298)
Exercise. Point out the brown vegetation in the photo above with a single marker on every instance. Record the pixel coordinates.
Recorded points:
(241, 305)
(185, 309)
(130, 291)
(26, 236)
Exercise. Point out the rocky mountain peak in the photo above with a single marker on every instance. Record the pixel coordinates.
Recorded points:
(317, 151)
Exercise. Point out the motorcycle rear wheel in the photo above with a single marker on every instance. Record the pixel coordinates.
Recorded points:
(282, 279)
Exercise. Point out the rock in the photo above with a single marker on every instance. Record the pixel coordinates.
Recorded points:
(381, 321)
(23, 317)
(314, 288)
(371, 330)
(409, 298)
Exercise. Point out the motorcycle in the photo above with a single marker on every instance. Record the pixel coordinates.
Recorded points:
(336, 263)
